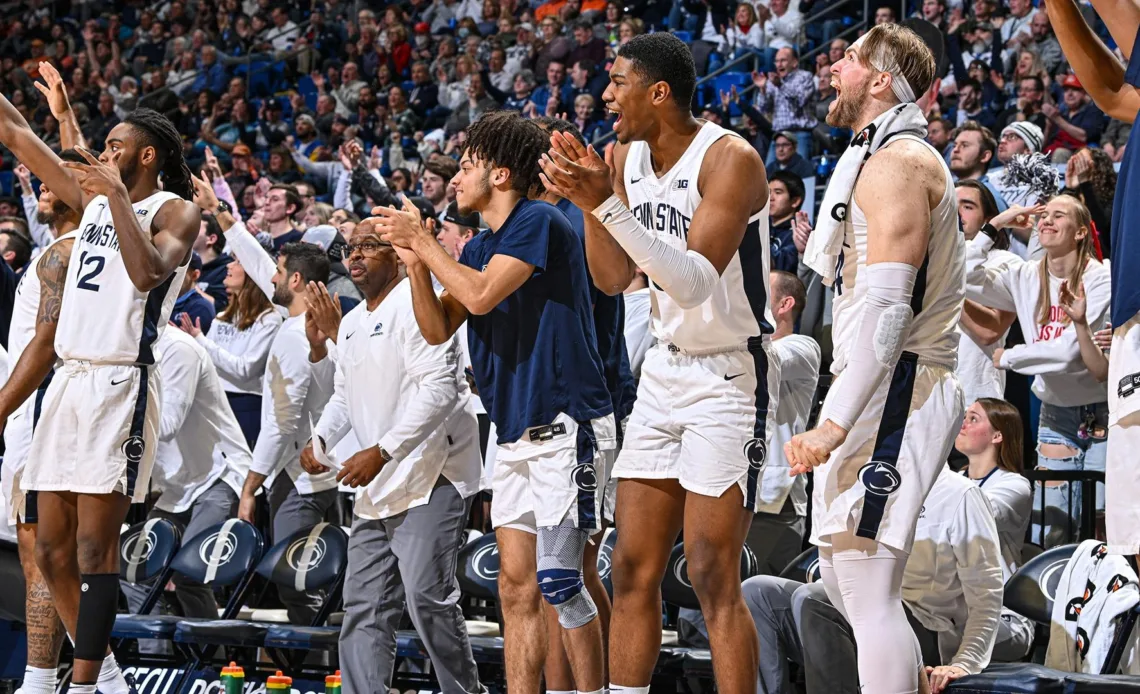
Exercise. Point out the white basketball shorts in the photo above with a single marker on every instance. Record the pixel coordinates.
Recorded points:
(874, 484)
(98, 431)
(17, 444)
(703, 419)
(1122, 474)
(553, 473)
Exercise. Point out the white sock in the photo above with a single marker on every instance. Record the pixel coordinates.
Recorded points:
(39, 680)
(560, 691)
(596, 691)
(81, 689)
(618, 689)
(111, 679)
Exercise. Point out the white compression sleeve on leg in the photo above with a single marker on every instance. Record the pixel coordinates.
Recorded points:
(686, 276)
(883, 331)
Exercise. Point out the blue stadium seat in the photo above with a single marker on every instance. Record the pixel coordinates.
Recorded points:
(222, 555)
(408, 86)
(312, 559)
(478, 568)
(725, 82)
(146, 552)
(7, 178)
(684, 36)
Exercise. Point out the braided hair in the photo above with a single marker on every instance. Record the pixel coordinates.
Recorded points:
(160, 133)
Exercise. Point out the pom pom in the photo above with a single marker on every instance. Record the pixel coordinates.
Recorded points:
(1032, 171)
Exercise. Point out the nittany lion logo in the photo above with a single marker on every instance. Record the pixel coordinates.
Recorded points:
(226, 547)
(295, 555)
(681, 572)
(585, 477)
(485, 563)
(131, 547)
(839, 212)
(880, 478)
(756, 451)
(133, 448)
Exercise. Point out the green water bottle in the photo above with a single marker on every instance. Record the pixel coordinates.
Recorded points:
(233, 679)
(332, 683)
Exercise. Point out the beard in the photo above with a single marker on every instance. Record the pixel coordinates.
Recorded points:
(480, 196)
(282, 296)
(849, 106)
(57, 212)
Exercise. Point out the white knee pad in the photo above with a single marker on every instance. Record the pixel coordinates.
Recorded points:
(560, 550)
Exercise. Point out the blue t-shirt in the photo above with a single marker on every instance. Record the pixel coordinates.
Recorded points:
(1125, 218)
(197, 307)
(534, 356)
(609, 325)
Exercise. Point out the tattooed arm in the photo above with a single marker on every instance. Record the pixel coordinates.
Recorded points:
(39, 356)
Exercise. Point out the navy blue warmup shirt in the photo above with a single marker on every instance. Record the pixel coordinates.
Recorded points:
(535, 355)
(1125, 249)
(609, 325)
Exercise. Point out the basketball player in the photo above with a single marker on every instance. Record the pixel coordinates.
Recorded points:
(44, 629)
(93, 449)
(523, 289)
(1117, 93)
(889, 242)
(695, 443)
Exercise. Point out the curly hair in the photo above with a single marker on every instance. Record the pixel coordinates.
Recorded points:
(504, 139)
(1102, 176)
(157, 131)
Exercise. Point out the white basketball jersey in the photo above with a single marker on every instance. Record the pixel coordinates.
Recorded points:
(738, 308)
(105, 318)
(939, 289)
(26, 308)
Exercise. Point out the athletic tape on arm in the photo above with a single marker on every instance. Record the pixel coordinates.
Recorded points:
(885, 326)
(138, 550)
(219, 549)
(686, 276)
(307, 556)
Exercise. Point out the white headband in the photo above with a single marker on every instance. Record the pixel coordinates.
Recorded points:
(899, 86)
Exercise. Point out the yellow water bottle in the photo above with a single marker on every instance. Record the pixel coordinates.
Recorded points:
(279, 683)
(332, 683)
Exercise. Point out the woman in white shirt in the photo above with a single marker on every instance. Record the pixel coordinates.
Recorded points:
(991, 439)
(238, 343)
(1072, 431)
(745, 32)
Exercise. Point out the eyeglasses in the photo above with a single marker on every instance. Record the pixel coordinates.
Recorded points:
(366, 248)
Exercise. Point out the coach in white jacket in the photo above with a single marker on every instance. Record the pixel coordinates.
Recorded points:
(201, 463)
(951, 589)
(410, 407)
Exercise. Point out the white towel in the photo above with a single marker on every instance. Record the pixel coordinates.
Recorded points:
(1096, 589)
(826, 240)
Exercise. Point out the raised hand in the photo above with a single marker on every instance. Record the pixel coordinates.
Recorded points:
(24, 176)
(801, 230)
(324, 309)
(577, 172)
(1018, 217)
(53, 90)
(204, 196)
(191, 328)
(95, 177)
(1074, 304)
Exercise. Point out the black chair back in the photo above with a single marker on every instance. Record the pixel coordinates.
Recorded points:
(677, 589)
(1031, 589)
(804, 568)
(478, 568)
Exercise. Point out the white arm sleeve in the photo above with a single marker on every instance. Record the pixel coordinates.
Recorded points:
(686, 276)
(256, 261)
(41, 233)
(883, 331)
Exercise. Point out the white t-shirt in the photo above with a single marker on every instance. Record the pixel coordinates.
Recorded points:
(976, 370)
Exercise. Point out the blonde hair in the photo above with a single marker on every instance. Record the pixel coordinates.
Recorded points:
(896, 49)
(584, 99)
(1085, 253)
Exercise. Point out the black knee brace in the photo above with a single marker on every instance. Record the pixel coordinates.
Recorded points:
(98, 603)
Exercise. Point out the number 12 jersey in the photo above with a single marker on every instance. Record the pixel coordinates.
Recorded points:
(105, 319)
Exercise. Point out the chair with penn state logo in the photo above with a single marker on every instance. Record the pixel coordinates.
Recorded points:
(804, 568)
(219, 556)
(313, 559)
(146, 552)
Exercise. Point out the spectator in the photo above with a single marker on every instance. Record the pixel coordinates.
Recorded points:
(745, 32)
(499, 72)
(1030, 98)
(582, 82)
(938, 135)
(281, 167)
(585, 117)
(401, 117)
(555, 88)
(105, 118)
(885, 15)
(15, 243)
(425, 93)
(182, 78)
(587, 47)
(191, 301)
(215, 263)
(347, 95)
(970, 106)
(435, 180)
(523, 89)
(789, 94)
(1077, 123)
(786, 197)
(306, 141)
(282, 206)
(478, 102)
(973, 155)
(782, 29)
(1020, 137)
(552, 46)
(786, 158)
(284, 31)
(1045, 44)
(1115, 139)
(1016, 30)
(934, 11)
